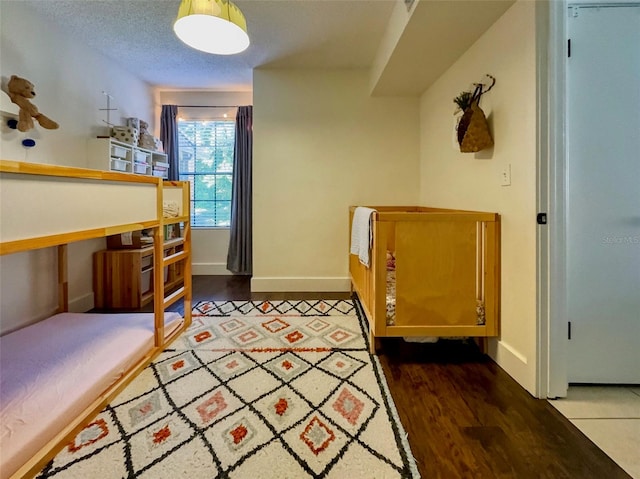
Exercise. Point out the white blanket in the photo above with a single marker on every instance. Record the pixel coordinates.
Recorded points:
(170, 209)
(362, 233)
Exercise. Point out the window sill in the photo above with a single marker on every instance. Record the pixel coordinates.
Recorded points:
(213, 228)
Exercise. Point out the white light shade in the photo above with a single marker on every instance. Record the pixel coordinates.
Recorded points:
(212, 26)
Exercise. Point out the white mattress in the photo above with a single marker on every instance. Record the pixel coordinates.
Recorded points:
(52, 370)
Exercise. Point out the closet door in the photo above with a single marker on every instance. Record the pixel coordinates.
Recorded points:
(603, 194)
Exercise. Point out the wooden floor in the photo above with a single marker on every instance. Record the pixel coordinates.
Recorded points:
(465, 417)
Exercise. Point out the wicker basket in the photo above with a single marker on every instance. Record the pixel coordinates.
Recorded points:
(473, 130)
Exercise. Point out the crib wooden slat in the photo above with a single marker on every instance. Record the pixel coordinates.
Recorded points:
(435, 330)
(437, 217)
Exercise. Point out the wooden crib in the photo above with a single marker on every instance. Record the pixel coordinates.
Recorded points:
(433, 273)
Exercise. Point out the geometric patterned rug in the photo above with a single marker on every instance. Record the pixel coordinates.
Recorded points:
(252, 390)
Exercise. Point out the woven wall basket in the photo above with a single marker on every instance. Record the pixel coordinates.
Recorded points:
(473, 130)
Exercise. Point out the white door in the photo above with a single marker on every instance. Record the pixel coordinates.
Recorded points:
(603, 194)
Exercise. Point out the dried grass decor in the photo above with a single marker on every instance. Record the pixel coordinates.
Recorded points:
(472, 129)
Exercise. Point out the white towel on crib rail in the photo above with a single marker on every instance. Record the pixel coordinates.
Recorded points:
(362, 233)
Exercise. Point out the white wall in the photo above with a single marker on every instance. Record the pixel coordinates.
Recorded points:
(322, 144)
(69, 80)
(209, 245)
(452, 179)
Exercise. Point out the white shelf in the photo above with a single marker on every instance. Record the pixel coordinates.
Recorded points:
(108, 154)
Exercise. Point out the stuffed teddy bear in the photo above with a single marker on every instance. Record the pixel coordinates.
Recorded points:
(145, 139)
(20, 92)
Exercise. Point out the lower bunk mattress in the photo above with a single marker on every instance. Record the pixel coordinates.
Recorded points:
(54, 369)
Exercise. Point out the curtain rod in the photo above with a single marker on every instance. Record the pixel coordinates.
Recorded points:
(205, 106)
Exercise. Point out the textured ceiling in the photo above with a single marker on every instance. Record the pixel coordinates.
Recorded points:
(138, 35)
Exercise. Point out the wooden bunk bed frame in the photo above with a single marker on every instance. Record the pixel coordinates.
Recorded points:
(40, 209)
(447, 273)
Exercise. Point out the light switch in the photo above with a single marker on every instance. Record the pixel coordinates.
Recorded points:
(505, 175)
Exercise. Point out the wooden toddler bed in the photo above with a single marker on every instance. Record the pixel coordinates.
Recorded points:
(432, 273)
(61, 371)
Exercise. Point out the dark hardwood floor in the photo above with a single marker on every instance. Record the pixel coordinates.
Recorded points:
(465, 417)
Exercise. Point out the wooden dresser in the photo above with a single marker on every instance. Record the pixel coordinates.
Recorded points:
(123, 278)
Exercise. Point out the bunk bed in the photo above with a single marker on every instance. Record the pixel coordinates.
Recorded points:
(60, 372)
(431, 272)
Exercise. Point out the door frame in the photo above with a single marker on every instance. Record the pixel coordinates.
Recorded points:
(552, 344)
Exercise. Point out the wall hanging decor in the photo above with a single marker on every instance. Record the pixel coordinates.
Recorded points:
(472, 129)
(108, 109)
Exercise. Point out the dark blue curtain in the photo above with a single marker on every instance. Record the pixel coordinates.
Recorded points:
(239, 257)
(169, 138)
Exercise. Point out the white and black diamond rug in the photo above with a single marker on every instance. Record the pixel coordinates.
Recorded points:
(252, 390)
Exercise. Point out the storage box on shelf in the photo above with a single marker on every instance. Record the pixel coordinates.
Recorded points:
(160, 165)
(142, 161)
(120, 157)
(111, 155)
(123, 278)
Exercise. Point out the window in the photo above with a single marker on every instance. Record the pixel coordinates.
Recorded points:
(206, 161)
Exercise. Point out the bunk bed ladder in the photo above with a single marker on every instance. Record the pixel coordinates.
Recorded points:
(160, 301)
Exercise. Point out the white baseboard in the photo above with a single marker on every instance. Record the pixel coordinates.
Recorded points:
(514, 363)
(82, 303)
(292, 285)
(207, 269)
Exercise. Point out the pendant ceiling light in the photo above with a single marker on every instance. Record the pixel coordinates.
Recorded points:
(212, 26)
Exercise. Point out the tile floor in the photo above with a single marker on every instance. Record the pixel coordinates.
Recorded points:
(610, 417)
